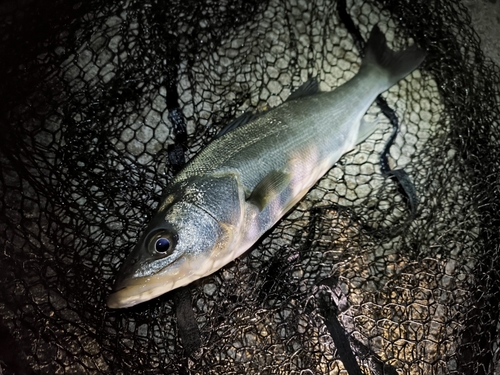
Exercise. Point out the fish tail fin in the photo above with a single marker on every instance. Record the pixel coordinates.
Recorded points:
(396, 64)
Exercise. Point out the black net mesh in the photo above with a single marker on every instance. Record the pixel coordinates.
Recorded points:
(86, 93)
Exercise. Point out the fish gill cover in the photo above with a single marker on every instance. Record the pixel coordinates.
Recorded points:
(94, 96)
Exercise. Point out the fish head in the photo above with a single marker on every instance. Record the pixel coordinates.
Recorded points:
(185, 241)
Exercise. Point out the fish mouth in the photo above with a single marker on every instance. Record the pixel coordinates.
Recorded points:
(140, 290)
(132, 290)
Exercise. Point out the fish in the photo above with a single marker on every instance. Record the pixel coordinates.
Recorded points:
(243, 182)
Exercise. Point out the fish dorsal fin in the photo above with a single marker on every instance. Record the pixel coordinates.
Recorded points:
(310, 87)
(245, 118)
(269, 188)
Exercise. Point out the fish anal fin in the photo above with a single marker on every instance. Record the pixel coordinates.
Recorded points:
(366, 128)
(269, 188)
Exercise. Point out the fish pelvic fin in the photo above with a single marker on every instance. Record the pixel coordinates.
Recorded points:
(396, 64)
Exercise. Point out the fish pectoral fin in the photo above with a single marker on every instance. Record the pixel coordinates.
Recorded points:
(310, 87)
(268, 188)
(366, 128)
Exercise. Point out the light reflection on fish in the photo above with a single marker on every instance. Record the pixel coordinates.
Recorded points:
(243, 182)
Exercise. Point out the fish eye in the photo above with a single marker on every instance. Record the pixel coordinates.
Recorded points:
(162, 245)
(161, 242)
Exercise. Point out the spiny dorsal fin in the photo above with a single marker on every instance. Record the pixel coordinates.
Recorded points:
(310, 87)
(245, 118)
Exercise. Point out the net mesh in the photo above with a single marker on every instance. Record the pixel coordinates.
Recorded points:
(87, 90)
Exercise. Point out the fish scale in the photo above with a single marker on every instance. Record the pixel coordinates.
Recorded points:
(293, 128)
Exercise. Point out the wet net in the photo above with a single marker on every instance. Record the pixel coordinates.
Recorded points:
(102, 101)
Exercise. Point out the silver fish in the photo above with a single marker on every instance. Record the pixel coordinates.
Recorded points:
(242, 183)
